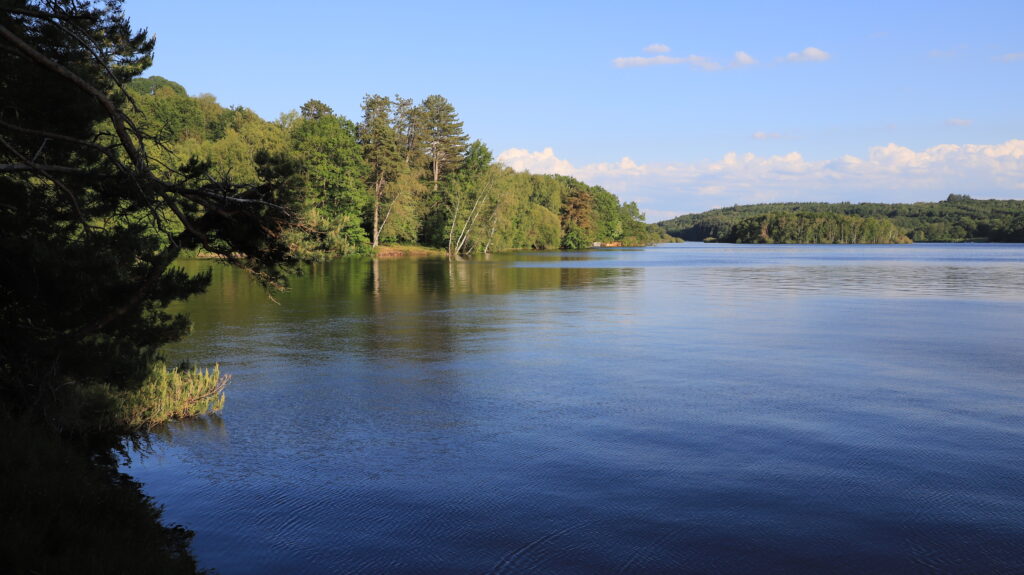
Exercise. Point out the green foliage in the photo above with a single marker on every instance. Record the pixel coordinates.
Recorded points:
(383, 155)
(541, 228)
(328, 176)
(151, 85)
(442, 136)
(403, 174)
(178, 393)
(315, 109)
(958, 218)
(165, 394)
(811, 228)
(578, 216)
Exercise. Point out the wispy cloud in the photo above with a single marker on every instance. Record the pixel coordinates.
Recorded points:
(743, 59)
(740, 59)
(767, 136)
(1012, 57)
(657, 49)
(663, 60)
(808, 54)
(958, 122)
(947, 53)
(884, 173)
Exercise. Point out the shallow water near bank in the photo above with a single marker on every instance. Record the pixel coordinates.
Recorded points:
(680, 408)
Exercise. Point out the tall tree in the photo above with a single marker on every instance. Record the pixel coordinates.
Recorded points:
(410, 126)
(88, 228)
(331, 173)
(578, 217)
(315, 109)
(445, 142)
(383, 157)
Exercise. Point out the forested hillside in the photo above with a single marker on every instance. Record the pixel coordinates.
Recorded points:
(405, 172)
(958, 218)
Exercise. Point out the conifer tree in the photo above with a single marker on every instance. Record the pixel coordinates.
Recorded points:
(382, 154)
(445, 142)
(88, 230)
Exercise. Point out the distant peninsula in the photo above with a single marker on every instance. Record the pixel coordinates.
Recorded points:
(958, 218)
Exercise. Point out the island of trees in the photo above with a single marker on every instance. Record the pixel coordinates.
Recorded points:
(958, 218)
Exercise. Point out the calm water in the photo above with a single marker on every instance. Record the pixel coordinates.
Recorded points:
(685, 408)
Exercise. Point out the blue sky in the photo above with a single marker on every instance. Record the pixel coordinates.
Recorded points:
(680, 106)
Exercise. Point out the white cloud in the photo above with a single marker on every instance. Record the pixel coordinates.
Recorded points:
(1013, 57)
(767, 136)
(543, 162)
(639, 61)
(703, 63)
(743, 59)
(889, 173)
(740, 59)
(661, 60)
(658, 49)
(958, 122)
(809, 54)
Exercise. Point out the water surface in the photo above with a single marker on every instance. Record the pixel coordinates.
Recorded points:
(682, 408)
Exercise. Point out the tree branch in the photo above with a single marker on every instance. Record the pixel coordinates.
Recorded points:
(42, 168)
(105, 150)
(138, 160)
(46, 173)
(42, 14)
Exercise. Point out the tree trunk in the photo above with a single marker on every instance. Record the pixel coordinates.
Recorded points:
(387, 214)
(378, 188)
(437, 169)
(451, 231)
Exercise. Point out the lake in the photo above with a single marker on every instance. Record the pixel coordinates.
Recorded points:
(680, 408)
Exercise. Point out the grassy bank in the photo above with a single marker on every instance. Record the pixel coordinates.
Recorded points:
(166, 394)
(409, 251)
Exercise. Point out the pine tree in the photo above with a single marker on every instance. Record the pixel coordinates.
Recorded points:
(382, 154)
(445, 142)
(88, 232)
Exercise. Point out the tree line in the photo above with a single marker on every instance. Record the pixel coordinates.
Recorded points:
(405, 172)
(958, 218)
(814, 228)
